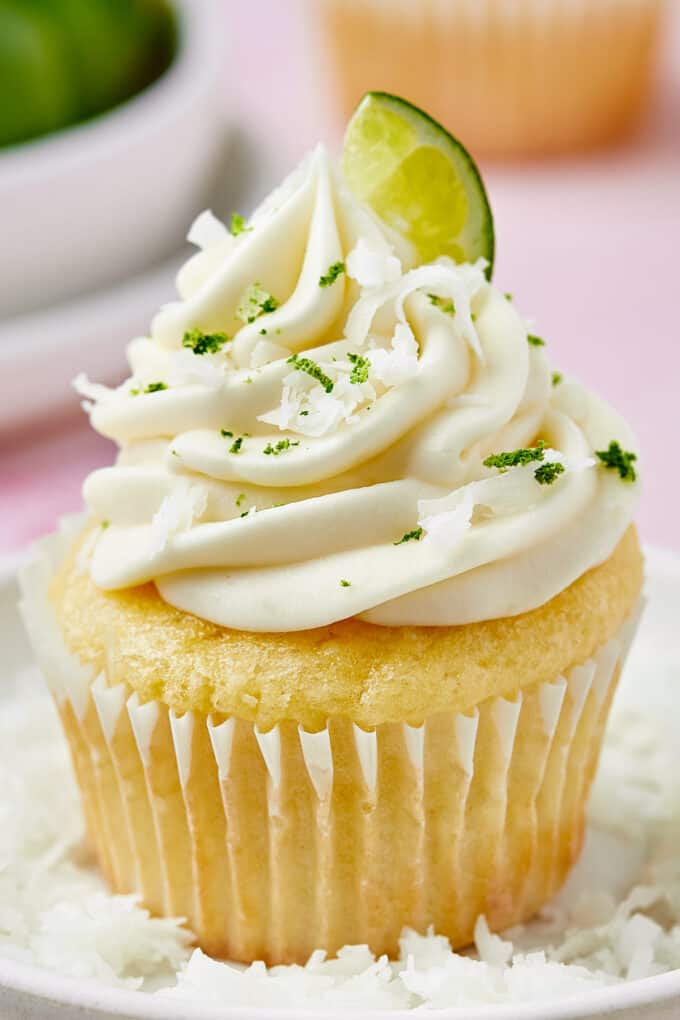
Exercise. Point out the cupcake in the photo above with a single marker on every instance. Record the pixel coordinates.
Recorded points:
(515, 77)
(335, 642)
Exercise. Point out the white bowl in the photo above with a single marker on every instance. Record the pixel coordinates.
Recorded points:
(40, 353)
(107, 198)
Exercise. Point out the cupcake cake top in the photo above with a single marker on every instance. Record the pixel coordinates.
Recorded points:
(341, 416)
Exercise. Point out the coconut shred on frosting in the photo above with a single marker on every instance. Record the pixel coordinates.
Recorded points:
(303, 435)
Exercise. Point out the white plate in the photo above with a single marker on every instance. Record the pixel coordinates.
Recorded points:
(28, 993)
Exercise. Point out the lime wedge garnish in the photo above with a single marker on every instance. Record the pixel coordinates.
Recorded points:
(419, 179)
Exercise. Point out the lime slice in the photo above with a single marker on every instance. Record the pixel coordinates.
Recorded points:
(419, 179)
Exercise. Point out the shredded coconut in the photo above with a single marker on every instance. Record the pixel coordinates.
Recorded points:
(207, 231)
(372, 268)
(446, 520)
(94, 393)
(309, 410)
(443, 277)
(393, 367)
(571, 463)
(206, 369)
(177, 512)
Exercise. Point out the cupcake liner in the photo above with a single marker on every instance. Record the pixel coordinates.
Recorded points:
(507, 76)
(272, 844)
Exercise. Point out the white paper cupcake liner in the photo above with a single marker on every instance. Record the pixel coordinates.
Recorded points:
(274, 844)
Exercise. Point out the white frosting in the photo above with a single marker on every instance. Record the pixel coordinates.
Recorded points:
(360, 454)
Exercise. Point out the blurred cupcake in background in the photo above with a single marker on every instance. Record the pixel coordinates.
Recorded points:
(515, 77)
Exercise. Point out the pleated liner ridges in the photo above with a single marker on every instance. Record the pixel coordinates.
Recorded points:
(274, 844)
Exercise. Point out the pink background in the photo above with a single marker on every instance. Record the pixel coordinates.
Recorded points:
(590, 248)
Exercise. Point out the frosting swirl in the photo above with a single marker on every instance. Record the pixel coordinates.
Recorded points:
(303, 435)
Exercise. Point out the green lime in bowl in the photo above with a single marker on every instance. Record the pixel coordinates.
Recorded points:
(65, 61)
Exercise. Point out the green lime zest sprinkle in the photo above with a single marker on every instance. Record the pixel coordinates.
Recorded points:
(226, 434)
(359, 373)
(135, 391)
(547, 473)
(411, 536)
(344, 583)
(236, 445)
(255, 302)
(246, 513)
(512, 458)
(204, 343)
(535, 341)
(311, 368)
(614, 458)
(156, 387)
(239, 499)
(332, 273)
(556, 378)
(445, 305)
(280, 447)
(507, 296)
(104, 525)
(238, 225)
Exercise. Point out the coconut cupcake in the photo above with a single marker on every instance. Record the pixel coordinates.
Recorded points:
(516, 77)
(335, 646)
